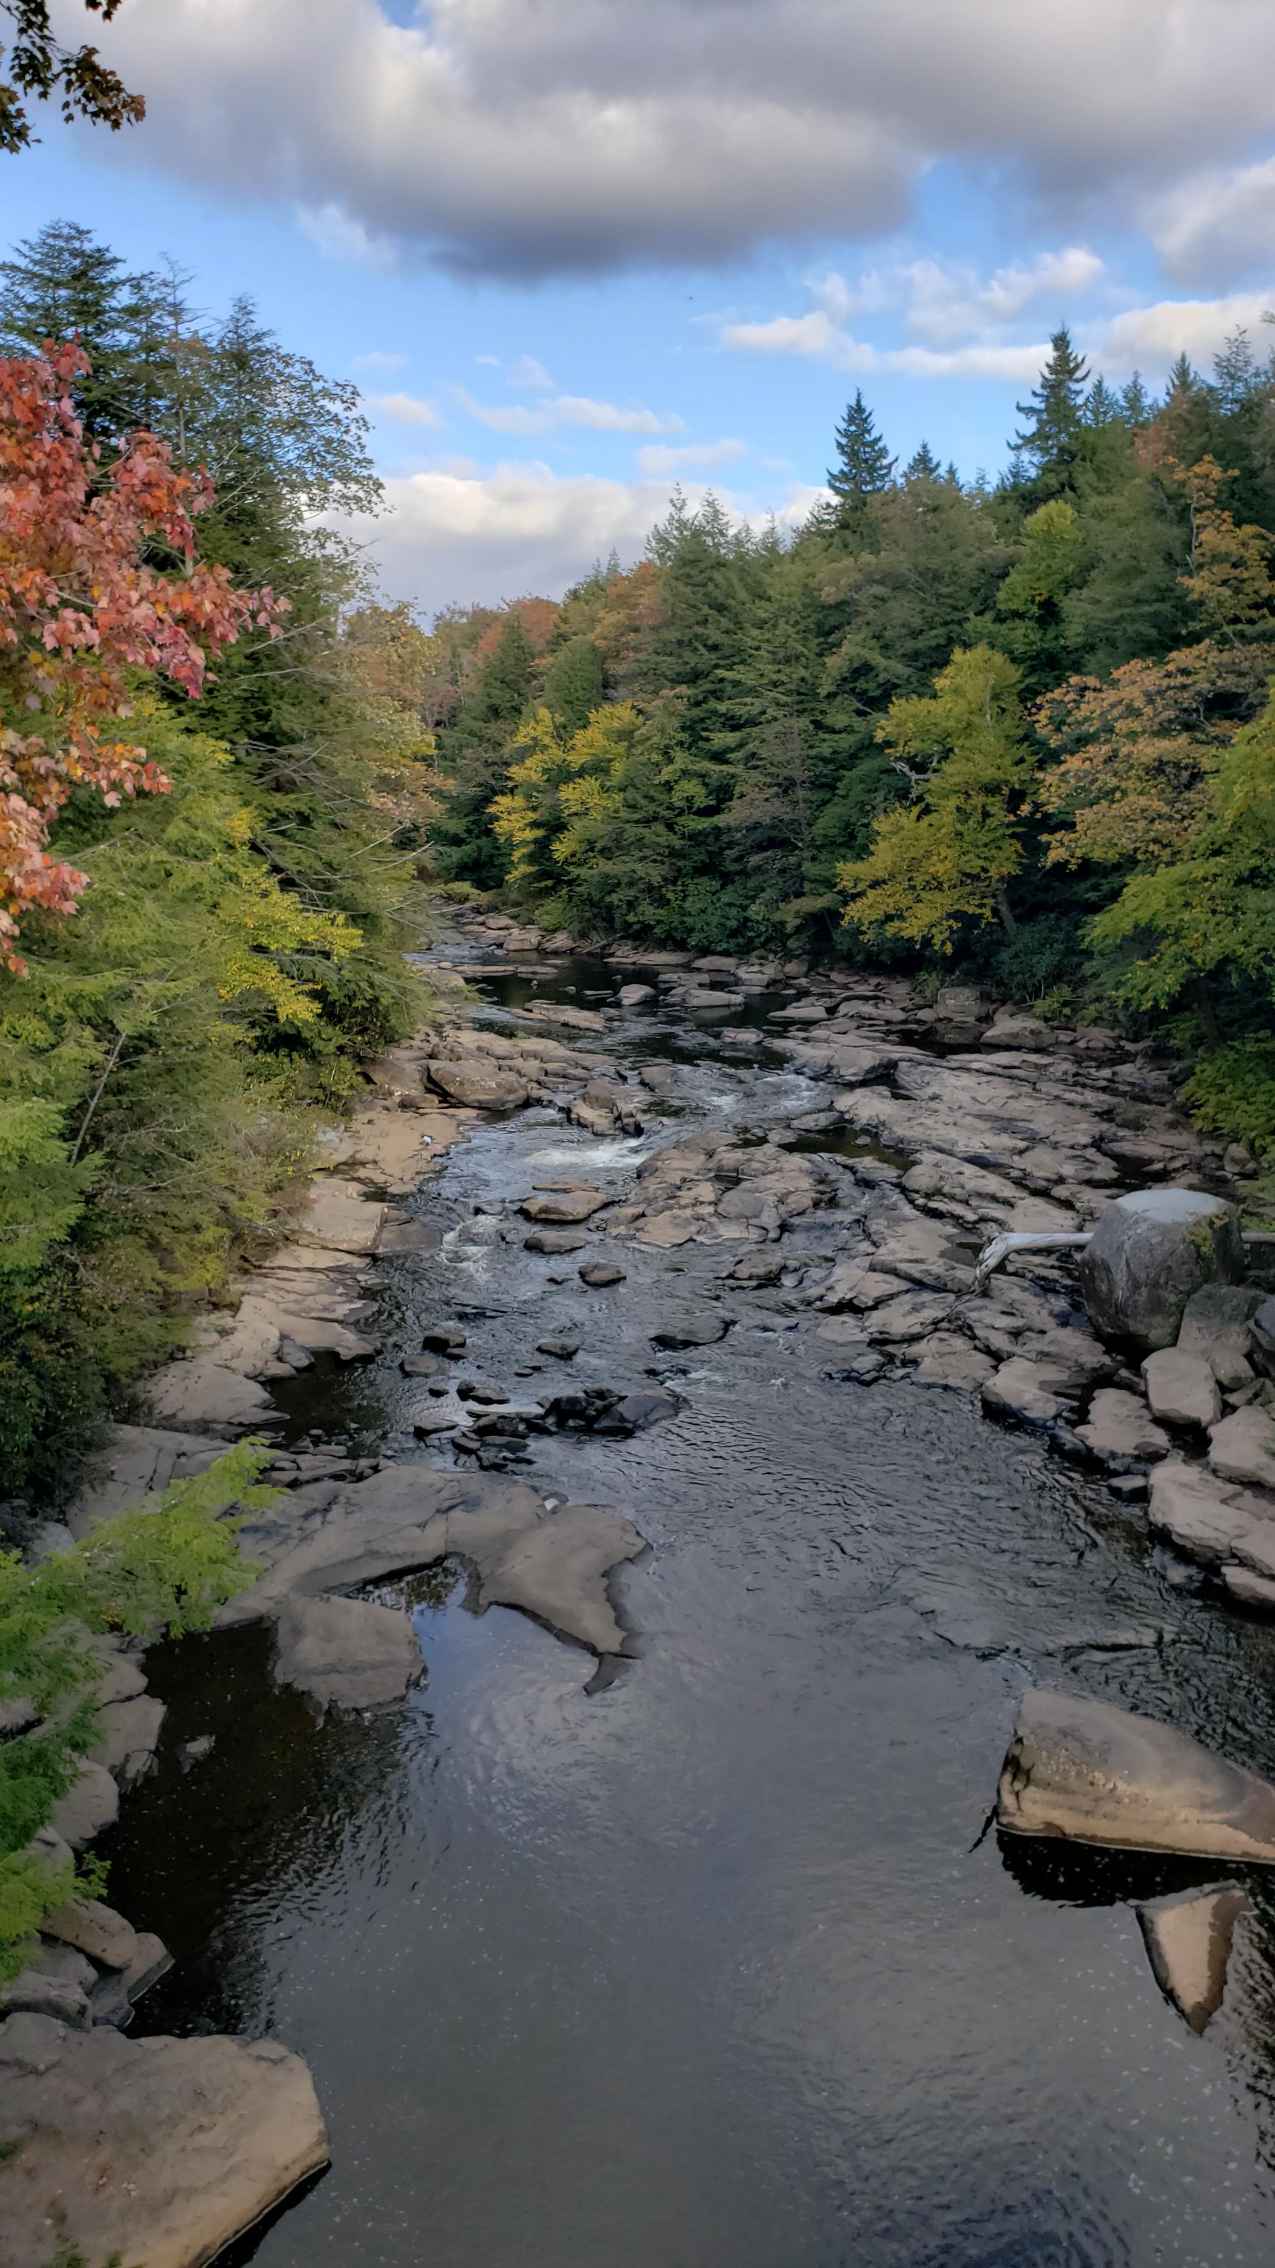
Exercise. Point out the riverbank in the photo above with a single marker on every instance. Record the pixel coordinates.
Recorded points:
(632, 1222)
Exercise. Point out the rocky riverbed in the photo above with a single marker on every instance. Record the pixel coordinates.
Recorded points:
(680, 1352)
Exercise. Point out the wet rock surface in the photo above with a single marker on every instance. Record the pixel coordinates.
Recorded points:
(1188, 1941)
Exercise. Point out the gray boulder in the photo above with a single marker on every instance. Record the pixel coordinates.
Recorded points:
(1219, 1324)
(1089, 1773)
(1148, 1254)
(1181, 1388)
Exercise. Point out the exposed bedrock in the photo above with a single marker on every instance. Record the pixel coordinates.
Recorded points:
(1090, 1773)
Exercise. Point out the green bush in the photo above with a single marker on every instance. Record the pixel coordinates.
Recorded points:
(1232, 1092)
(162, 1569)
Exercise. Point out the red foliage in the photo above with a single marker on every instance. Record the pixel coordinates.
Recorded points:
(81, 612)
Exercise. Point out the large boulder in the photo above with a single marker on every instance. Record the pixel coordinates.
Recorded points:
(1148, 1254)
(159, 2150)
(1089, 1773)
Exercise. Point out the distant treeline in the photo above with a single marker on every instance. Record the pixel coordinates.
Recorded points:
(1024, 730)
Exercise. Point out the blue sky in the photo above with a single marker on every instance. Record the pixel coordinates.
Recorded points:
(573, 252)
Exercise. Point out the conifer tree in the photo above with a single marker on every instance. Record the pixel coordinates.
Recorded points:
(864, 466)
(923, 464)
(1050, 442)
(1135, 403)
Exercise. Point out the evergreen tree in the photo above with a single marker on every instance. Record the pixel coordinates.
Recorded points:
(1135, 403)
(1102, 404)
(61, 285)
(923, 465)
(474, 750)
(864, 466)
(1050, 442)
(573, 683)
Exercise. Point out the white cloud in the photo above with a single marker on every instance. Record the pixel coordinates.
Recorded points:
(1156, 335)
(817, 338)
(452, 532)
(530, 375)
(339, 235)
(404, 409)
(659, 461)
(945, 303)
(1216, 225)
(567, 409)
(378, 360)
(522, 141)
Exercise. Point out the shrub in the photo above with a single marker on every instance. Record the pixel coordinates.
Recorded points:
(162, 1569)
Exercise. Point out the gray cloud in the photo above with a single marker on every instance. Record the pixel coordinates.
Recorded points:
(506, 139)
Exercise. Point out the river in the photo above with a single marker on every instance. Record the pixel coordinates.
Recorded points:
(714, 1966)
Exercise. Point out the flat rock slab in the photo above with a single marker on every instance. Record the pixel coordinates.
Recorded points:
(1188, 1942)
(1182, 1388)
(339, 1217)
(158, 2150)
(1034, 1392)
(1213, 1520)
(346, 1653)
(136, 1461)
(1118, 1427)
(566, 1207)
(555, 1240)
(691, 1331)
(1242, 1448)
(1090, 1773)
(90, 1805)
(410, 1516)
(206, 1397)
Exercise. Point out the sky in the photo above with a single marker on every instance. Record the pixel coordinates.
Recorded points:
(574, 252)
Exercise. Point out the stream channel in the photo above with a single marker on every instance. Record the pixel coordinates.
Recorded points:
(709, 1968)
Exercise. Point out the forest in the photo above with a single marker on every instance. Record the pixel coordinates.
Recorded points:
(1019, 730)
(214, 777)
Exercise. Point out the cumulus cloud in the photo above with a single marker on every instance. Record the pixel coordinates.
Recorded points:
(658, 461)
(522, 141)
(567, 409)
(818, 338)
(1196, 327)
(405, 409)
(456, 532)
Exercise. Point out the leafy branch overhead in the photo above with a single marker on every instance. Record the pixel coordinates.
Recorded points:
(37, 64)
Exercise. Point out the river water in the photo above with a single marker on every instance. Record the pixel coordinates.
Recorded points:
(710, 1968)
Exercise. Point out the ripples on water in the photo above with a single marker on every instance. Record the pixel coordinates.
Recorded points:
(711, 1970)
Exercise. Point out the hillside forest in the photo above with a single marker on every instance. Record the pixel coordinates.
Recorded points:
(1018, 730)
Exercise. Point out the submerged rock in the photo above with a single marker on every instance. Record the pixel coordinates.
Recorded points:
(346, 1653)
(1188, 1942)
(599, 1274)
(565, 1207)
(158, 2149)
(1090, 1773)
(555, 1240)
(1149, 1253)
(691, 1331)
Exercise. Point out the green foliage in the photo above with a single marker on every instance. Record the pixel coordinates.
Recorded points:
(164, 1568)
(1232, 1092)
(947, 856)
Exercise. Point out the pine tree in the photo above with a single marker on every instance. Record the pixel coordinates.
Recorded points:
(923, 465)
(62, 285)
(864, 466)
(1051, 439)
(573, 683)
(1102, 404)
(1135, 403)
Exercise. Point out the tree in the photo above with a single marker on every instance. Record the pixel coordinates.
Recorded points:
(80, 611)
(63, 285)
(474, 751)
(573, 682)
(39, 65)
(1032, 600)
(948, 855)
(1135, 404)
(1102, 404)
(923, 464)
(864, 466)
(1050, 441)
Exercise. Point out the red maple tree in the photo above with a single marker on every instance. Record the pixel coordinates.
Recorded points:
(85, 611)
